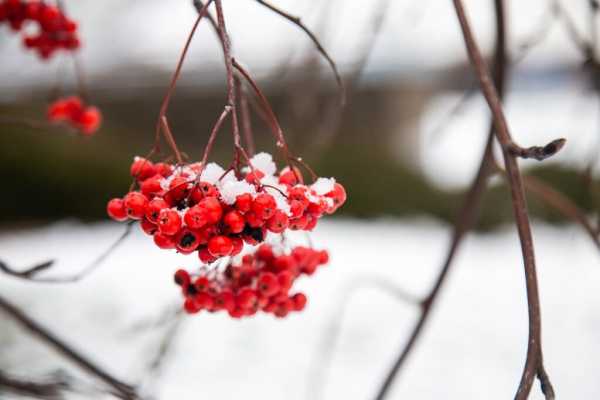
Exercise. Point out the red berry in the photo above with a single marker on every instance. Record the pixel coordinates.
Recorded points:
(169, 221)
(312, 223)
(116, 210)
(255, 176)
(285, 280)
(264, 206)
(208, 189)
(268, 284)
(191, 306)
(284, 263)
(154, 207)
(202, 284)
(204, 300)
(73, 107)
(253, 220)
(238, 246)
(205, 256)
(179, 188)
(196, 217)
(135, 204)
(278, 222)
(265, 253)
(182, 278)
(297, 208)
(299, 300)
(57, 111)
(220, 246)
(243, 202)
(234, 221)
(214, 210)
(151, 186)
(236, 313)
(163, 169)
(338, 194)
(246, 298)
(298, 224)
(225, 300)
(89, 121)
(187, 241)
(290, 177)
(164, 241)
(142, 169)
(148, 227)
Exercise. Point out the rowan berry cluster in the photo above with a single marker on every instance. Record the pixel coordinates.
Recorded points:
(259, 282)
(210, 211)
(72, 110)
(56, 30)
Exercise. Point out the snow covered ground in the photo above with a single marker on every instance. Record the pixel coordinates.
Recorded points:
(473, 348)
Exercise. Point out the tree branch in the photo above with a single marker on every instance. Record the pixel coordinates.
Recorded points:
(467, 214)
(120, 389)
(31, 274)
(298, 22)
(533, 362)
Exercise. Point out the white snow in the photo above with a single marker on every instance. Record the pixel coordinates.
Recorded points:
(473, 347)
(211, 173)
(322, 186)
(264, 163)
(230, 190)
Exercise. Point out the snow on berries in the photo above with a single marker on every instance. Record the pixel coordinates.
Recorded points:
(56, 31)
(259, 281)
(211, 212)
(74, 112)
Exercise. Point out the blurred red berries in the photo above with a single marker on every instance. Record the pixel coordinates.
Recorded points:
(72, 110)
(56, 30)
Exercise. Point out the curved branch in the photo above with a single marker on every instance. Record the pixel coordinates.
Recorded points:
(298, 22)
(534, 361)
(467, 214)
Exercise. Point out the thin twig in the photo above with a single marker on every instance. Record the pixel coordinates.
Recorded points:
(325, 351)
(121, 389)
(561, 203)
(246, 118)
(49, 389)
(31, 274)
(533, 362)
(467, 214)
(298, 22)
(166, 100)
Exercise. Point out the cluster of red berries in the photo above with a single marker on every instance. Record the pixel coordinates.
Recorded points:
(259, 282)
(211, 211)
(56, 30)
(72, 110)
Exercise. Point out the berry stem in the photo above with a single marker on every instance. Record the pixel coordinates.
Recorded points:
(166, 100)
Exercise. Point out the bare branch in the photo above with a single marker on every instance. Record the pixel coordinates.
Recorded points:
(533, 362)
(467, 214)
(562, 204)
(540, 153)
(121, 389)
(298, 22)
(31, 274)
(48, 389)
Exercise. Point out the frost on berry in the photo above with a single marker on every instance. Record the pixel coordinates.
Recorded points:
(259, 282)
